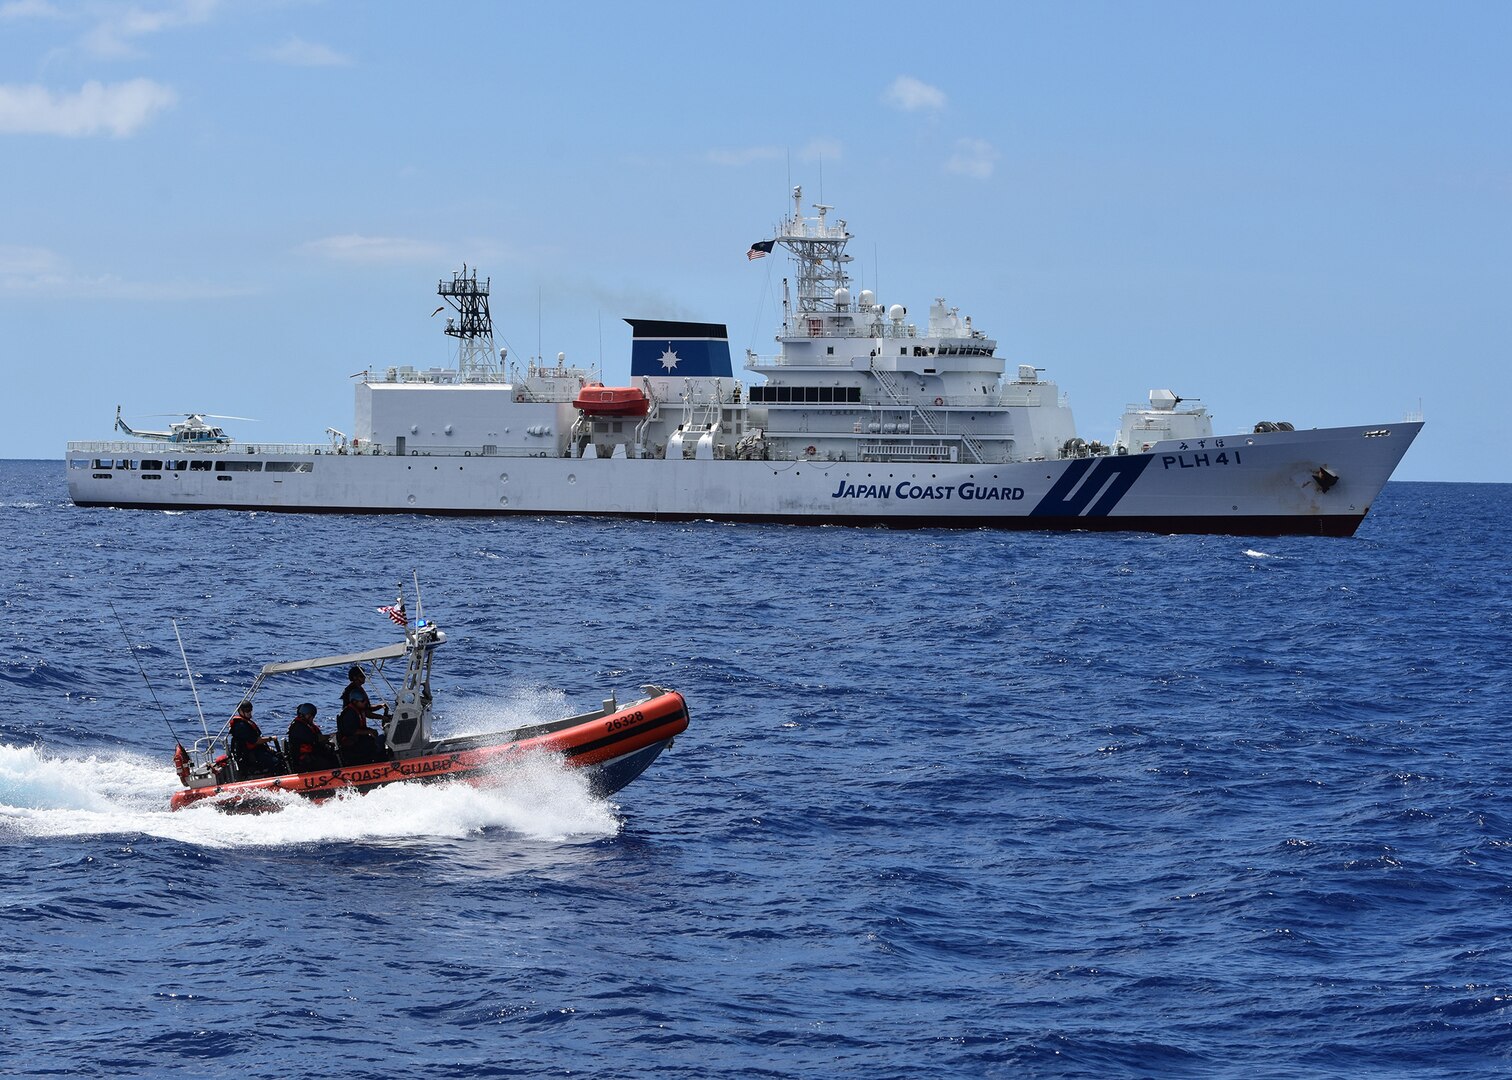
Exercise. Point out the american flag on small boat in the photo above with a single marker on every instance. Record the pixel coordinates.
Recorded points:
(395, 611)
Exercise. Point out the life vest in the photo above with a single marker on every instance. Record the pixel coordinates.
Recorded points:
(351, 726)
(355, 697)
(246, 744)
(303, 732)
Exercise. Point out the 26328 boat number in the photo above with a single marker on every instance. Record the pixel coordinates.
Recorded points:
(619, 723)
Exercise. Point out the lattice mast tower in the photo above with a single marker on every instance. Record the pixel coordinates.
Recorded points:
(472, 326)
(819, 250)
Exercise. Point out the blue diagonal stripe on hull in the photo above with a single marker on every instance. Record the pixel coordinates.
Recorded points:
(1072, 496)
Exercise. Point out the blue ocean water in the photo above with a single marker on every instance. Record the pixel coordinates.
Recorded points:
(951, 804)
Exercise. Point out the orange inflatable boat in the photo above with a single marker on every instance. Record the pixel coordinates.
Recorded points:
(613, 744)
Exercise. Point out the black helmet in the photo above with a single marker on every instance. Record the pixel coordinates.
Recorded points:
(306, 709)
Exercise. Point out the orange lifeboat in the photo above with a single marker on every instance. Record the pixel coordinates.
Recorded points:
(600, 400)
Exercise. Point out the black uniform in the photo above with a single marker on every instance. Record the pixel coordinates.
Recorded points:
(307, 747)
(253, 757)
(358, 743)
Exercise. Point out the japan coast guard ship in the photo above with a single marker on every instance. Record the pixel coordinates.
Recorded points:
(862, 417)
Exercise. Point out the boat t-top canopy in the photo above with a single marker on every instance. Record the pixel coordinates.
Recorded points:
(386, 652)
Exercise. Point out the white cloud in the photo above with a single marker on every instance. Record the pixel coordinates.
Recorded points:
(296, 52)
(28, 262)
(374, 249)
(118, 109)
(45, 275)
(974, 158)
(911, 95)
(120, 26)
(30, 9)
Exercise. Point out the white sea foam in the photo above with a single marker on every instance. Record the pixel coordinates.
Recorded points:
(1252, 553)
(112, 794)
(480, 715)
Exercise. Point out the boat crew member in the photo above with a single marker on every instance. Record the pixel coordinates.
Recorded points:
(357, 743)
(354, 696)
(250, 751)
(306, 747)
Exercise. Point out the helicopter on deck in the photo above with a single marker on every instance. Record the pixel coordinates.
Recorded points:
(192, 430)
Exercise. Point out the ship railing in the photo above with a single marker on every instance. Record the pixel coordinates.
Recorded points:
(882, 451)
(812, 326)
(174, 450)
(810, 229)
(753, 361)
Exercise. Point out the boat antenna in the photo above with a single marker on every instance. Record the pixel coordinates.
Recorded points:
(419, 604)
(143, 673)
(189, 671)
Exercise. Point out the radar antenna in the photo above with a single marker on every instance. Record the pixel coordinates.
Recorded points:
(473, 325)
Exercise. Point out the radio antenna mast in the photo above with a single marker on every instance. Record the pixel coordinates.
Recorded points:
(187, 671)
(143, 672)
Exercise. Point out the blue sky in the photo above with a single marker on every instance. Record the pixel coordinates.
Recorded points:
(1290, 211)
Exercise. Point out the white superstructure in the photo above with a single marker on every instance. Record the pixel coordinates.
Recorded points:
(863, 415)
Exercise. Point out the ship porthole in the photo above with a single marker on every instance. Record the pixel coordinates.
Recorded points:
(572, 478)
(412, 500)
(503, 478)
(503, 500)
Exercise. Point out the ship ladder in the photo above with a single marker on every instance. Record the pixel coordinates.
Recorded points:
(885, 379)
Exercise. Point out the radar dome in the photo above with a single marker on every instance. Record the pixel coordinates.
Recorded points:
(868, 298)
(896, 312)
(842, 298)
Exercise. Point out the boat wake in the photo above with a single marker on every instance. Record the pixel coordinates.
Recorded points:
(111, 794)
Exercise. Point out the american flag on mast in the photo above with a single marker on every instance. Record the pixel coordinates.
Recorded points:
(760, 249)
(395, 611)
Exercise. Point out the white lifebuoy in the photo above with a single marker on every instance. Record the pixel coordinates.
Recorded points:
(939, 401)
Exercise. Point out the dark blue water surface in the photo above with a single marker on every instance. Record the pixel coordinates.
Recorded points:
(951, 804)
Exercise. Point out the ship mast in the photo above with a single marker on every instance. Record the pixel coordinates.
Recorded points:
(477, 360)
(819, 250)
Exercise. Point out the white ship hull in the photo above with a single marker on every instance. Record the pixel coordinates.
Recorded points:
(863, 417)
(1256, 484)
